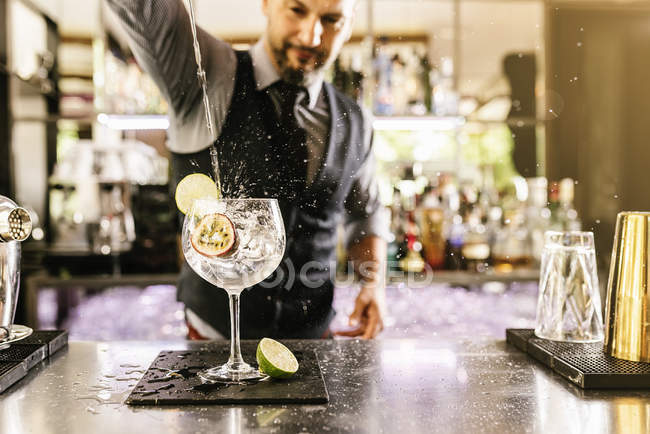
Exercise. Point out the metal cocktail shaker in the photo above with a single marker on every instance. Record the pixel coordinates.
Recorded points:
(627, 328)
(15, 226)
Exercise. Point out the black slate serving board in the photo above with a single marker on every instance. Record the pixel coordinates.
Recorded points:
(585, 365)
(23, 355)
(171, 380)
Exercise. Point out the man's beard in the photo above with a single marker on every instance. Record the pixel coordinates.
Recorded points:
(297, 76)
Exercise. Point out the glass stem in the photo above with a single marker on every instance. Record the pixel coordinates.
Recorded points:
(235, 361)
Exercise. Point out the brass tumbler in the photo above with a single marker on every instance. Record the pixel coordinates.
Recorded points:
(628, 302)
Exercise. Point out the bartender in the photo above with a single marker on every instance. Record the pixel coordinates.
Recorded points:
(273, 97)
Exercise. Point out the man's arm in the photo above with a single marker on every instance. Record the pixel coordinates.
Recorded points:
(366, 230)
(160, 36)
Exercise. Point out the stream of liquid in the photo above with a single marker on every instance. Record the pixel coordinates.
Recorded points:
(200, 72)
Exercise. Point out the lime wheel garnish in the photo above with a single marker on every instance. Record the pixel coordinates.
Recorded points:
(194, 186)
(214, 235)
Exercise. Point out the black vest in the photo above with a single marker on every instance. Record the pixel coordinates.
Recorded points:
(296, 301)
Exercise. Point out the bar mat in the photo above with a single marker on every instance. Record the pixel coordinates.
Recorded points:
(585, 365)
(55, 340)
(23, 355)
(171, 380)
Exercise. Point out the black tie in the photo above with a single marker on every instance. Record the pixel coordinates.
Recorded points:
(291, 142)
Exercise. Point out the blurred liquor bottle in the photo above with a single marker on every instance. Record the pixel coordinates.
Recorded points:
(445, 98)
(512, 247)
(383, 70)
(397, 246)
(432, 219)
(538, 214)
(567, 216)
(554, 206)
(476, 245)
(413, 261)
(348, 78)
(425, 80)
(398, 85)
(340, 76)
(454, 244)
(412, 246)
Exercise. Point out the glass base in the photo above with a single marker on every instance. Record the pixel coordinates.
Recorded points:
(243, 374)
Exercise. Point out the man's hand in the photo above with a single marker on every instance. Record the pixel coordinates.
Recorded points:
(369, 258)
(367, 316)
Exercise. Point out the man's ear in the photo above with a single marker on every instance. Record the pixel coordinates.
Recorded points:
(350, 23)
(265, 7)
(348, 30)
(349, 34)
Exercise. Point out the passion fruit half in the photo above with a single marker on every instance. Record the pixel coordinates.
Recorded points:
(214, 235)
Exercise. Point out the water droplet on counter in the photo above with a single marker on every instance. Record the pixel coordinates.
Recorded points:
(126, 379)
(209, 387)
(104, 394)
(152, 392)
(94, 398)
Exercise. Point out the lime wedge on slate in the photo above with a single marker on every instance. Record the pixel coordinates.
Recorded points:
(276, 360)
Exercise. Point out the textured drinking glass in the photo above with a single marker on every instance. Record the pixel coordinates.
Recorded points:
(568, 306)
(257, 252)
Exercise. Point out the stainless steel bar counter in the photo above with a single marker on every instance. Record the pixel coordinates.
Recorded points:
(392, 386)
